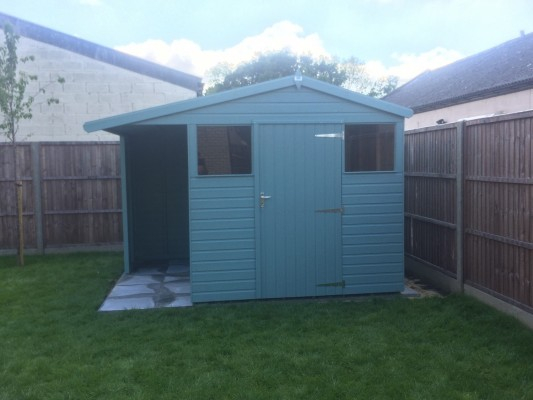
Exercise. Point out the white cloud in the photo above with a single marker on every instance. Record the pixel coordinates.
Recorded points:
(410, 65)
(188, 56)
(91, 2)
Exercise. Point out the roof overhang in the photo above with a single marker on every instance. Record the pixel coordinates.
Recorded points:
(116, 124)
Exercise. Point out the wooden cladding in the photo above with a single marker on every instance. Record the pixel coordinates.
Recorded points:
(494, 205)
(71, 194)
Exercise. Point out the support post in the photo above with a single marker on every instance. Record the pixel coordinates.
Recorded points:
(124, 193)
(20, 223)
(37, 195)
(459, 232)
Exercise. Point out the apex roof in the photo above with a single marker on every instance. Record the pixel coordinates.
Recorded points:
(101, 53)
(503, 69)
(114, 124)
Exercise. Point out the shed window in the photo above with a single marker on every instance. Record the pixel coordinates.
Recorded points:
(224, 150)
(369, 147)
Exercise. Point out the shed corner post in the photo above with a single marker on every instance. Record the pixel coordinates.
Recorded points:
(257, 211)
(192, 150)
(459, 233)
(124, 194)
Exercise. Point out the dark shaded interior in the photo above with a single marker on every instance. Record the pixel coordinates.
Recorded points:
(158, 208)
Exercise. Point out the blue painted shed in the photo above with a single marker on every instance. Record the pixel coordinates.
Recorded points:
(288, 188)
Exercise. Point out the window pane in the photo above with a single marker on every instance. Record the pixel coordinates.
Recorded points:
(369, 147)
(224, 150)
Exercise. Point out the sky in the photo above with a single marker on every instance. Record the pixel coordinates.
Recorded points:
(393, 37)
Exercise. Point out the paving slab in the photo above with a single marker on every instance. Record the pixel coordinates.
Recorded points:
(151, 288)
(127, 303)
(179, 287)
(129, 290)
(133, 279)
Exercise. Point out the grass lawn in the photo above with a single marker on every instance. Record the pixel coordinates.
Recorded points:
(55, 345)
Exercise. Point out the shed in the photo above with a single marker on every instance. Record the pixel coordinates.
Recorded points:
(287, 188)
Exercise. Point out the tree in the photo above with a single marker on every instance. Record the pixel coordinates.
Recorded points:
(359, 80)
(16, 105)
(350, 74)
(271, 66)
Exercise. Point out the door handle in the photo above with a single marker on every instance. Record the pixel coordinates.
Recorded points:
(262, 198)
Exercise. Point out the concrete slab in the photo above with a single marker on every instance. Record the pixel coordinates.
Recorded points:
(151, 288)
(175, 278)
(133, 279)
(181, 302)
(129, 290)
(409, 292)
(128, 303)
(179, 287)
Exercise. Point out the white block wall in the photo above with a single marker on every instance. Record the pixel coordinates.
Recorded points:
(92, 90)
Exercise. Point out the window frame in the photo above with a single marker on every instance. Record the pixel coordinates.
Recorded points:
(394, 133)
(198, 132)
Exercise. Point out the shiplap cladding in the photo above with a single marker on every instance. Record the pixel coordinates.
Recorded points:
(352, 221)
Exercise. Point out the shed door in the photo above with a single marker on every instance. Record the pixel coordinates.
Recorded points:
(300, 222)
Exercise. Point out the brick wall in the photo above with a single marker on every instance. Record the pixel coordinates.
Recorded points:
(92, 90)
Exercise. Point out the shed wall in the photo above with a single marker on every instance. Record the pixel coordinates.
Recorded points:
(372, 232)
(222, 226)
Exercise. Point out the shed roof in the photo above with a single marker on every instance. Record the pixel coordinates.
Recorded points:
(101, 53)
(506, 68)
(113, 124)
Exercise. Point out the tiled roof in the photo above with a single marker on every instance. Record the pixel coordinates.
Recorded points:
(506, 68)
(101, 53)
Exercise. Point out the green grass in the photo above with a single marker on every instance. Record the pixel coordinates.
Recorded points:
(55, 345)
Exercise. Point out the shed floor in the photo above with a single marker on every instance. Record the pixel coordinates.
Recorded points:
(154, 287)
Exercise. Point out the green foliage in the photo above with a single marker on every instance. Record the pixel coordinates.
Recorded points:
(350, 74)
(14, 105)
(55, 345)
(272, 66)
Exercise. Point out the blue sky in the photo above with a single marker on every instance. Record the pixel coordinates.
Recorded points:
(403, 37)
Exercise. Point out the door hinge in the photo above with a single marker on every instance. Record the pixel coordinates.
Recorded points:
(341, 284)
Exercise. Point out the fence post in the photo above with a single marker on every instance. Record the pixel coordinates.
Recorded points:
(459, 230)
(37, 198)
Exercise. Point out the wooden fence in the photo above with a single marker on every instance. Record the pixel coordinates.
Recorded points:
(71, 194)
(469, 204)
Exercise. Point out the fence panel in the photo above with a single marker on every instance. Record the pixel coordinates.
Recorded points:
(430, 197)
(78, 201)
(497, 199)
(498, 207)
(8, 202)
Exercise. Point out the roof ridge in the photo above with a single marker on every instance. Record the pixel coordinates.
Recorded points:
(101, 53)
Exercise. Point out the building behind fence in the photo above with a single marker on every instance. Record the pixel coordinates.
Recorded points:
(469, 205)
(71, 194)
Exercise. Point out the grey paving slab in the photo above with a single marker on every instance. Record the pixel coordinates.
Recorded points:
(181, 302)
(410, 292)
(179, 287)
(132, 279)
(175, 278)
(128, 290)
(151, 288)
(131, 303)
